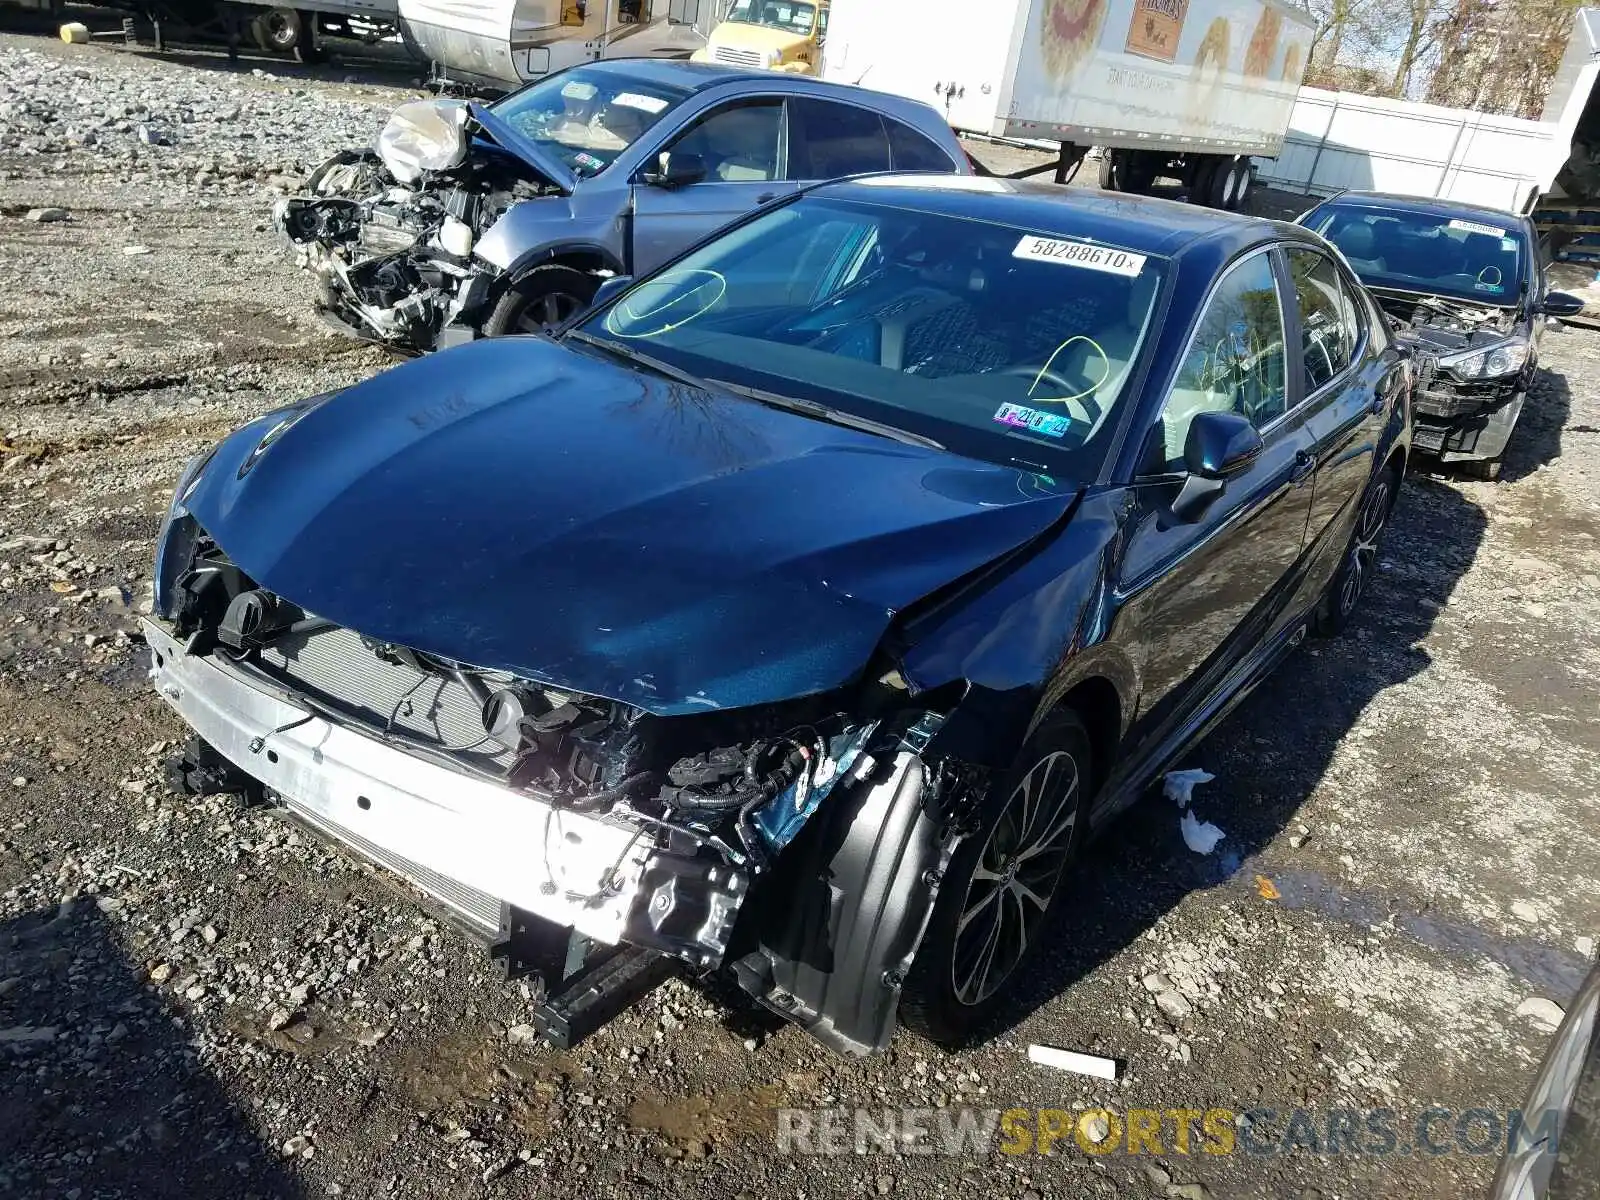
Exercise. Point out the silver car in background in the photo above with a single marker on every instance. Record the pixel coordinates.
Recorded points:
(468, 220)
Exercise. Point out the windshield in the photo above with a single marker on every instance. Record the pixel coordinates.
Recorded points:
(997, 341)
(787, 15)
(588, 115)
(1473, 258)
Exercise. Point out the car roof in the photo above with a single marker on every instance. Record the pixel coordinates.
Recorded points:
(1426, 206)
(698, 77)
(1143, 224)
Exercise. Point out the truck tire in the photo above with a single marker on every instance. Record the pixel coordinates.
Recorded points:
(1027, 836)
(1225, 183)
(1138, 172)
(1111, 168)
(542, 299)
(278, 30)
(1202, 172)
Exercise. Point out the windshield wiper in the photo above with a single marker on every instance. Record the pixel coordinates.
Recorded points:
(834, 416)
(639, 358)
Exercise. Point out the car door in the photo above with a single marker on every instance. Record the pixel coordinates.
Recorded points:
(1350, 378)
(1200, 596)
(741, 148)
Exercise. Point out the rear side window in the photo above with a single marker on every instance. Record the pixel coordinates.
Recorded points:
(910, 151)
(828, 140)
(1328, 329)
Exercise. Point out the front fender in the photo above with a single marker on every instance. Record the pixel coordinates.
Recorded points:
(854, 912)
(540, 229)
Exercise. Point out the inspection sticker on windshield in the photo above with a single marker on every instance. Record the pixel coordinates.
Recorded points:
(1476, 227)
(1050, 424)
(649, 104)
(1079, 254)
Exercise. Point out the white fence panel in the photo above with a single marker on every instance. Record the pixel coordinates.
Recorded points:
(1341, 140)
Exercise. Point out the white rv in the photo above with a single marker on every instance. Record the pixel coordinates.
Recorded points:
(1186, 88)
(505, 43)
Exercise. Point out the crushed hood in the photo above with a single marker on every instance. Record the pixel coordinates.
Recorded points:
(527, 149)
(518, 506)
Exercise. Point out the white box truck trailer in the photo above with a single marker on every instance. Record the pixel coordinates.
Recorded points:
(1189, 89)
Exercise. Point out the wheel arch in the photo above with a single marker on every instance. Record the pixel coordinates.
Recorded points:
(1098, 704)
(590, 257)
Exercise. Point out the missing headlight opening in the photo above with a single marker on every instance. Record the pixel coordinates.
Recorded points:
(664, 826)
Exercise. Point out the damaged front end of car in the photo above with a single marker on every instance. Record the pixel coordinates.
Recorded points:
(1471, 365)
(794, 849)
(389, 233)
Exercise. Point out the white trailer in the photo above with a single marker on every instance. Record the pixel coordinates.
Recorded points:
(503, 44)
(1184, 88)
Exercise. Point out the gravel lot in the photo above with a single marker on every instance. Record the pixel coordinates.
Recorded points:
(197, 1001)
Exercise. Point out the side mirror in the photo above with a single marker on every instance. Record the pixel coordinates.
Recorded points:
(1219, 446)
(609, 290)
(675, 169)
(1561, 304)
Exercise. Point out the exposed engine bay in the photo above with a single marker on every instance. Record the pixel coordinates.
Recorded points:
(1442, 325)
(681, 836)
(389, 233)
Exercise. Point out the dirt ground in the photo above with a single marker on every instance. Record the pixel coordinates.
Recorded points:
(202, 1002)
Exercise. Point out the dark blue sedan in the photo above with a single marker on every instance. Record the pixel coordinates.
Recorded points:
(796, 614)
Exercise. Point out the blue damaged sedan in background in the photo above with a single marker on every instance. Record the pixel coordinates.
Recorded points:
(793, 616)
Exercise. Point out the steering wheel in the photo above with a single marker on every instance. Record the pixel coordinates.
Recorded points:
(1080, 402)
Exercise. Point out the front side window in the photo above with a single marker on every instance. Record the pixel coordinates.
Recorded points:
(791, 16)
(588, 115)
(828, 140)
(738, 144)
(1476, 257)
(999, 342)
(1327, 318)
(1235, 361)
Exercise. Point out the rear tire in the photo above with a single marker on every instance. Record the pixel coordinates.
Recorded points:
(1111, 171)
(996, 904)
(1224, 188)
(1349, 584)
(543, 299)
(278, 30)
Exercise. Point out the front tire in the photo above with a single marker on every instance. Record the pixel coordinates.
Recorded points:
(545, 298)
(995, 904)
(1339, 602)
(1487, 469)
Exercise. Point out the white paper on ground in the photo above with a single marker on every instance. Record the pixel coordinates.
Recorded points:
(1200, 836)
(1071, 1060)
(1179, 786)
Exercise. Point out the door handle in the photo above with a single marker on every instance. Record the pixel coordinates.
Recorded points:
(1304, 465)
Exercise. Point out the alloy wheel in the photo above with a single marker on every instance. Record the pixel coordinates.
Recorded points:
(1364, 546)
(545, 312)
(1016, 876)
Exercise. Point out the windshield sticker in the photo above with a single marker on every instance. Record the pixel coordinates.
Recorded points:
(584, 159)
(1079, 254)
(1476, 227)
(649, 104)
(1052, 425)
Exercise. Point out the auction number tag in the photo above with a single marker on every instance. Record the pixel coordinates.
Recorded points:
(1477, 227)
(1079, 254)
